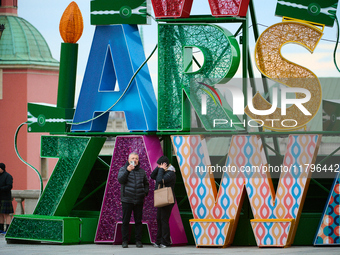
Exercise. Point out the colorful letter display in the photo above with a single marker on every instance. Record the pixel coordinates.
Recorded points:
(50, 118)
(105, 12)
(76, 158)
(317, 11)
(273, 65)
(229, 7)
(149, 150)
(329, 229)
(221, 60)
(181, 8)
(50, 220)
(112, 83)
(216, 215)
(116, 54)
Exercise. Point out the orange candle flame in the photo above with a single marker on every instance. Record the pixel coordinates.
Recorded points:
(71, 24)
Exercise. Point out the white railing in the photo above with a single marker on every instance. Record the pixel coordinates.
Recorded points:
(30, 197)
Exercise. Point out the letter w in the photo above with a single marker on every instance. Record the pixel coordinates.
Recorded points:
(216, 214)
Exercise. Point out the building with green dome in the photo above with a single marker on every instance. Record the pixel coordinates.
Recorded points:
(21, 43)
(28, 73)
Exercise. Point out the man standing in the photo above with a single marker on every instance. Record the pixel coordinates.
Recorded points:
(134, 187)
(6, 206)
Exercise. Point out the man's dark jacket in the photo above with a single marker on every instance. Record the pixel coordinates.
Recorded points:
(134, 185)
(6, 182)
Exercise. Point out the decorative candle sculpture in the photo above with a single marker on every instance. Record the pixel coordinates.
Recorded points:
(51, 118)
(71, 28)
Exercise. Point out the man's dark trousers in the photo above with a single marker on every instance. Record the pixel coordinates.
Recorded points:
(138, 215)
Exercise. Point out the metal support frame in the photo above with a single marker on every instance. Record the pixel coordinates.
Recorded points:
(264, 79)
(96, 189)
(245, 62)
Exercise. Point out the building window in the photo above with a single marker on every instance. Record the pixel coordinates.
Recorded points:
(44, 168)
(15, 3)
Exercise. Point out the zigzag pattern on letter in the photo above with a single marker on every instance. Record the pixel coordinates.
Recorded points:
(329, 228)
(215, 214)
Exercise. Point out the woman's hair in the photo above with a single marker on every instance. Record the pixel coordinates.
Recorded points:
(163, 159)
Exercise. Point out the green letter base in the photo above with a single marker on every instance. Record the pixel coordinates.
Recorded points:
(64, 230)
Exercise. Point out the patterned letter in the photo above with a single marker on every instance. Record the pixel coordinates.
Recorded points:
(271, 63)
(149, 150)
(329, 229)
(181, 8)
(216, 215)
(51, 219)
(176, 82)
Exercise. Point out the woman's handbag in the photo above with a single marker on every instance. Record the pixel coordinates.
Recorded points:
(163, 196)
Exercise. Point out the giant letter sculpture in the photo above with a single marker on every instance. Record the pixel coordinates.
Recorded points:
(221, 60)
(216, 216)
(51, 219)
(272, 64)
(149, 150)
(181, 8)
(116, 54)
(329, 229)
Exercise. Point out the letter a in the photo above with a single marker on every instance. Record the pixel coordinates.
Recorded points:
(149, 150)
(329, 228)
(115, 55)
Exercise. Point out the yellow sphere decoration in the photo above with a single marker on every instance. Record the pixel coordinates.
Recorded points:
(71, 24)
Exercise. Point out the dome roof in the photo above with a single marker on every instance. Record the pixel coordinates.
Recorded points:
(22, 44)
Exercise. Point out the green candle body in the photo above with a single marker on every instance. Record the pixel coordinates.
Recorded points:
(67, 75)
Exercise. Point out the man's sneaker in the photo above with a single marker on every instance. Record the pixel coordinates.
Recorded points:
(2, 232)
(155, 245)
(139, 244)
(125, 244)
(163, 246)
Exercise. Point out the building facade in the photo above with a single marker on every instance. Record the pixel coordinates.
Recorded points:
(28, 73)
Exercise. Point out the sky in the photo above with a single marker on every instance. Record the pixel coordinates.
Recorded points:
(45, 16)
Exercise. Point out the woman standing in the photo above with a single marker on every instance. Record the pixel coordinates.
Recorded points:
(164, 173)
(6, 206)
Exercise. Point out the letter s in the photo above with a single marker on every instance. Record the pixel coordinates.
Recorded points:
(272, 64)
